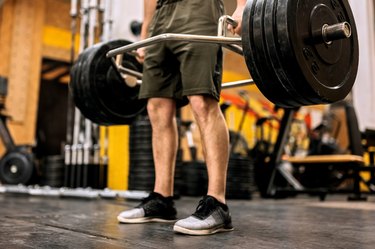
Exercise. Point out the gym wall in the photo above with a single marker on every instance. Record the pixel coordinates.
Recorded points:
(364, 88)
(124, 12)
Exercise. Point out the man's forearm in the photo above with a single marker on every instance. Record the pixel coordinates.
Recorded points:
(148, 13)
(241, 2)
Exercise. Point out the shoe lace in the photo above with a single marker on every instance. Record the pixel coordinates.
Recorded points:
(204, 208)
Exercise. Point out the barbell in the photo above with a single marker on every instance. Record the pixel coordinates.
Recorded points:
(298, 53)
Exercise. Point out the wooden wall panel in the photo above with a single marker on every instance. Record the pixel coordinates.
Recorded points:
(58, 14)
(22, 26)
(5, 37)
(57, 31)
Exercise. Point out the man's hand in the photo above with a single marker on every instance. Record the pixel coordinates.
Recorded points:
(141, 55)
(237, 15)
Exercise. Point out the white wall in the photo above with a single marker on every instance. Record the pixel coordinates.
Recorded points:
(124, 12)
(364, 88)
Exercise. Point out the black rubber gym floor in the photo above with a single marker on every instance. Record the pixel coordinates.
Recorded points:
(300, 222)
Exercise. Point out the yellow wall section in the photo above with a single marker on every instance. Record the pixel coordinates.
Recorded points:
(56, 37)
(231, 76)
(118, 153)
(59, 38)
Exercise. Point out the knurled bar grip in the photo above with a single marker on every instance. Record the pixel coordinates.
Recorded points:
(174, 37)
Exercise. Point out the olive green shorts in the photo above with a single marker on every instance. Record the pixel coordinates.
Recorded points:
(175, 69)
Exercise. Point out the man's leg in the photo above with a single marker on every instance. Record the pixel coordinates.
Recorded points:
(212, 214)
(215, 142)
(159, 205)
(162, 113)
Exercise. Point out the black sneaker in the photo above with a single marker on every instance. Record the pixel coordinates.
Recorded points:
(211, 216)
(154, 208)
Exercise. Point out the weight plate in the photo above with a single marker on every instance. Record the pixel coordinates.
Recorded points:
(290, 66)
(54, 159)
(141, 164)
(141, 161)
(77, 89)
(143, 176)
(142, 122)
(89, 88)
(272, 46)
(139, 137)
(52, 177)
(98, 89)
(327, 71)
(136, 172)
(142, 156)
(256, 58)
(136, 146)
(16, 168)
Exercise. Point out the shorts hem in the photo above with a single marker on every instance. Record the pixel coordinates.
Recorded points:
(150, 95)
(202, 92)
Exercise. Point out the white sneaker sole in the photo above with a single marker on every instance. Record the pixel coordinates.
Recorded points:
(183, 230)
(142, 220)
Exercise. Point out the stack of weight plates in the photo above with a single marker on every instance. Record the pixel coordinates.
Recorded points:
(141, 168)
(240, 179)
(287, 57)
(194, 182)
(178, 181)
(98, 89)
(52, 171)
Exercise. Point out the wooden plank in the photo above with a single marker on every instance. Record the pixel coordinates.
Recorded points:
(57, 33)
(21, 59)
(6, 12)
(326, 159)
(24, 68)
(58, 14)
(6, 26)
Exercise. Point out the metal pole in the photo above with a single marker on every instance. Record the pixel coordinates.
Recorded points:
(93, 12)
(107, 21)
(76, 147)
(70, 111)
(237, 83)
(106, 36)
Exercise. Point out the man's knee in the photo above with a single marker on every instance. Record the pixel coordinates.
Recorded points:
(203, 105)
(161, 109)
(155, 105)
